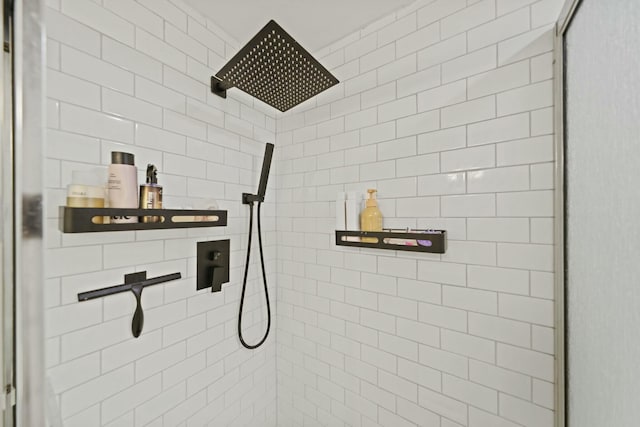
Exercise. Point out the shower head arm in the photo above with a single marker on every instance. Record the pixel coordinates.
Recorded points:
(219, 87)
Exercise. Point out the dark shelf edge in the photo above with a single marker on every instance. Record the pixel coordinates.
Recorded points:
(438, 239)
(78, 220)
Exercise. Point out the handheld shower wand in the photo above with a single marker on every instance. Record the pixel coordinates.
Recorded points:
(250, 199)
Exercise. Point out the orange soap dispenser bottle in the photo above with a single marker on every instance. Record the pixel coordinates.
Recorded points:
(371, 217)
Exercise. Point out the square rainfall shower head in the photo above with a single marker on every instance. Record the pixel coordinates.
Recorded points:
(274, 68)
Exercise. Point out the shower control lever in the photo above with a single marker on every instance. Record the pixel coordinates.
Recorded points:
(216, 269)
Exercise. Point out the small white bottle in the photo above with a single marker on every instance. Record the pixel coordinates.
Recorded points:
(353, 213)
(341, 211)
(123, 185)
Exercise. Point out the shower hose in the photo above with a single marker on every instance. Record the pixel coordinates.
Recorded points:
(244, 281)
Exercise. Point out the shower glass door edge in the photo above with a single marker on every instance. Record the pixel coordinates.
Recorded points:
(562, 26)
(28, 53)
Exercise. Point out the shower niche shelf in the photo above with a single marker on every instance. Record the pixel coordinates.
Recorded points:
(83, 220)
(432, 241)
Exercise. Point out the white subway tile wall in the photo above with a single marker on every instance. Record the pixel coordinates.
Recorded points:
(134, 76)
(446, 108)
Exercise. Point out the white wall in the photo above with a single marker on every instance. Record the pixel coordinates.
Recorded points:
(133, 76)
(446, 108)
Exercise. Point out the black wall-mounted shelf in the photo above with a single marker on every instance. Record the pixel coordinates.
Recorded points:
(81, 220)
(433, 241)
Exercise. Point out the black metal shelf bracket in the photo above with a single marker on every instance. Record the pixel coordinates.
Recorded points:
(134, 282)
(433, 241)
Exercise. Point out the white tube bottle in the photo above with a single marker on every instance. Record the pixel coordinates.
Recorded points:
(341, 211)
(123, 186)
(353, 213)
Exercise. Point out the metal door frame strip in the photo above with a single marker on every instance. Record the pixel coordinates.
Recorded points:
(29, 124)
(6, 218)
(561, 390)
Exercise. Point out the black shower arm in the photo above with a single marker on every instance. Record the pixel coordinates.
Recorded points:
(219, 87)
